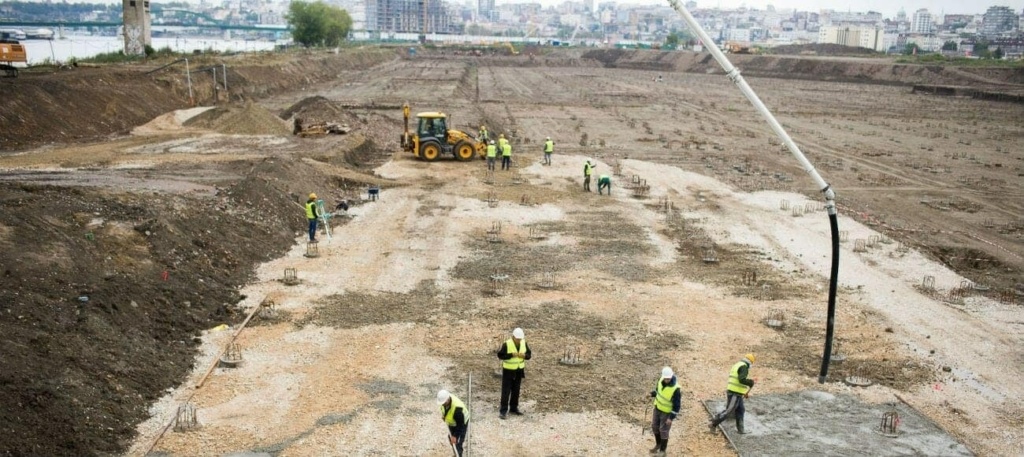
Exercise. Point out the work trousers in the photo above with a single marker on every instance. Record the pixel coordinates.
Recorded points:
(659, 425)
(586, 183)
(460, 438)
(506, 162)
(490, 163)
(733, 404)
(511, 380)
(604, 185)
(312, 229)
(547, 158)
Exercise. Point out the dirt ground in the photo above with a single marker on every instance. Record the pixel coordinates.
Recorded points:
(195, 217)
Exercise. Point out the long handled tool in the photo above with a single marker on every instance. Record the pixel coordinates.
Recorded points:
(643, 427)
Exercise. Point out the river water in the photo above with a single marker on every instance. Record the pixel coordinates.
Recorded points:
(80, 47)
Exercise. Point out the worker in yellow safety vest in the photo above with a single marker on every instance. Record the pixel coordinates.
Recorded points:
(667, 401)
(456, 416)
(549, 148)
(492, 155)
(738, 389)
(312, 214)
(588, 169)
(513, 354)
(483, 136)
(506, 156)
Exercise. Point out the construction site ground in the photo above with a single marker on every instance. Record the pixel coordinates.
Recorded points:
(133, 252)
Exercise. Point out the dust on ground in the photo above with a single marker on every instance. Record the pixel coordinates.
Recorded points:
(629, 284)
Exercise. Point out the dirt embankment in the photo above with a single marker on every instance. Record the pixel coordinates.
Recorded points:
(92, 103)
(878, 71)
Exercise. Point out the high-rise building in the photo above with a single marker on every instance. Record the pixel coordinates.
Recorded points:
(922, 23)
(485, 9)
(997, 20)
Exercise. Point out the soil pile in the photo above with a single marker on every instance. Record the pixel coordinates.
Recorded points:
(103, 295)
(821, 49)
(250, 119)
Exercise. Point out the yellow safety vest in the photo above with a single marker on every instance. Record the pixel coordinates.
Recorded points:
(506, 150)
(515, 363)
(549, 146)
(492, 151)
(483, 133)
(502, 142)
(449, 417)
(734, 380)
(663, 399)
(309, 210)
(587, 169)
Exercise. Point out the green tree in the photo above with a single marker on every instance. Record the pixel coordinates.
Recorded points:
(981, 49)
(998, 53)
(949, 46)
(318, 24)
(672, 41)
(911, 49)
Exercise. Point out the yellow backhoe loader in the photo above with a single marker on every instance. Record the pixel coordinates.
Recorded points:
(432, 138)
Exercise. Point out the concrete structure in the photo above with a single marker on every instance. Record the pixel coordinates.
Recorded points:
(998, 20)
(922, 23)
(485, 10)
(862, 37)
(410, 16)
(138, 31)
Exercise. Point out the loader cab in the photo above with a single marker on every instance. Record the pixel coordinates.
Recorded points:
(432, 125)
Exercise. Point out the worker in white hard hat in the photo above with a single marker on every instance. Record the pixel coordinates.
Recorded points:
(667, 401)
(738, 389)
(513, 354)
(492, 155)
(456, 416)
(312, 214)
(549, 148)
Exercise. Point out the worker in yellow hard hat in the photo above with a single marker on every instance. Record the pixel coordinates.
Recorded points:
(312, 214)
(738, 389)
(483, 136)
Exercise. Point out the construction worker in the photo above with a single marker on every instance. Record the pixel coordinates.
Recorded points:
(549, 148)
(506, 156)
(312, 214)
(667, 401)
(604, 182)
(456, 416)
(738, 389)
(501, 141)
(514, 353)
(492, 155)
(483, 136)
(588, 168)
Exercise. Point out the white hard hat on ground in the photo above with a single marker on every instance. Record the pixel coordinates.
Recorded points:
(667, 373)
(518, 333)
(443, 396)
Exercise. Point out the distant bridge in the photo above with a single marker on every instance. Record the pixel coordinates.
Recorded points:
(75, 24)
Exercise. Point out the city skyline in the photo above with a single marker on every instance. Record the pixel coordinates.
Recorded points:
(887, 8)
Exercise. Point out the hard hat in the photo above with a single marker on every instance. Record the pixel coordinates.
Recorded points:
(492, 141)
(502, 135)
(750, 358)
(667, 373)
(443, 396)
(313, 196)
(518, 333)
(549, 138)
(483, 126)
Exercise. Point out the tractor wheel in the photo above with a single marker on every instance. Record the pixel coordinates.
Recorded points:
(464, 151)
(430, 151)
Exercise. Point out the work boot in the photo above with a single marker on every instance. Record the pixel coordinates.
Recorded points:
(739, 426)
(664, 444)
(657, 445)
